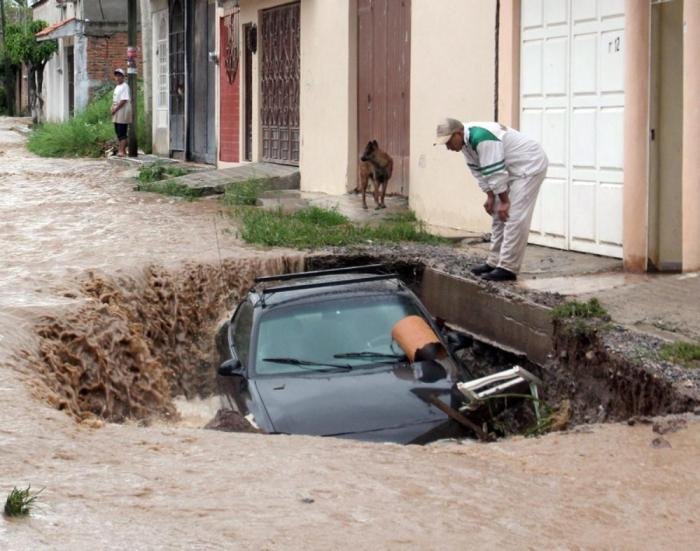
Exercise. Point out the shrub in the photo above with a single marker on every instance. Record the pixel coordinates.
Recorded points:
(88, 132)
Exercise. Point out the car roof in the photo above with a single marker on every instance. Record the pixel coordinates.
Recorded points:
(323, 287)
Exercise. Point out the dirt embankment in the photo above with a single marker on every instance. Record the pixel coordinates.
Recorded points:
(136, 341)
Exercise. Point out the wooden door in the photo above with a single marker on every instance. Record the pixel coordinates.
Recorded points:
(177, 78)
(279, 114)
(383, 82)
(201, 130)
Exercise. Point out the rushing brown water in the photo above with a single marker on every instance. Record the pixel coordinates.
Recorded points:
(106, 298)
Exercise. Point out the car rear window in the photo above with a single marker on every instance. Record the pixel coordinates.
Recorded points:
(319, 331)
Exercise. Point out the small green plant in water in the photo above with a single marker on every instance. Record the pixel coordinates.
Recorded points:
(244, 193)
(683, 353)
(170, 188)
(20, 502)
(159, 171)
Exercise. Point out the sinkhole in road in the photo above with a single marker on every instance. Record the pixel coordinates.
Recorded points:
(141, 346)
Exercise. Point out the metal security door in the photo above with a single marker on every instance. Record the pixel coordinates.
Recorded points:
(177, 78)
(383, 82)
(160, 69)
(279, 114)
(201, 130)
(572, 100)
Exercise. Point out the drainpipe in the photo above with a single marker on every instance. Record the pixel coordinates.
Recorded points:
(635, 191)
(691, 136)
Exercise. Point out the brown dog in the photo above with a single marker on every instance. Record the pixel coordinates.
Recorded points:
(377, 165)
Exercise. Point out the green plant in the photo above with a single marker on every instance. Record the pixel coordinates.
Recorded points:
(159, 171)
(20, 502)
(586, 310)
(87, 133)
(681, 352)
(318, 227)
(171, 188)
(244, 193)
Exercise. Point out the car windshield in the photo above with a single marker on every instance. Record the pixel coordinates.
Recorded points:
(350, 333)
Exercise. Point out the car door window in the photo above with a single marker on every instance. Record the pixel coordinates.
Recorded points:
(242, 325)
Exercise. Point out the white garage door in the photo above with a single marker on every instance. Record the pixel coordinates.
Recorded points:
(572, 100)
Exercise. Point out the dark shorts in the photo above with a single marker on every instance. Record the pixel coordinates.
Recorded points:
(121, 130)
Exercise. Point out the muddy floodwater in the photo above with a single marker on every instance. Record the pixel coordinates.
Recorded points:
(95, 274)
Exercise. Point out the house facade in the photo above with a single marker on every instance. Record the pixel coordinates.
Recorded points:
(607, 86)
(92, 42)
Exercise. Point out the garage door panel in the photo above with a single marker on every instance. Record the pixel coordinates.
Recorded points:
(583, 63)
(531, 123)
(531, 13)
(609, 143)
(532, 68)
(555, 62)
(583, 210)
(583, 136)
(609, 8)
(610, 61)
(610, 219)
(555, 12)
(554, 139)
(553, 204)
(583, 10)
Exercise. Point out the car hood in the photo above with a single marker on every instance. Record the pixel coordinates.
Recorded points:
(367, 404)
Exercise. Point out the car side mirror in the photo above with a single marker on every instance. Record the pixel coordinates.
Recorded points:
(231, 368)
(457, 341)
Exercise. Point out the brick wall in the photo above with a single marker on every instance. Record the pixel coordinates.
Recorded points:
(229, 128)
(106, 53)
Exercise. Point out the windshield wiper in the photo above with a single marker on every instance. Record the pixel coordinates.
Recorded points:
(370, 354)
(307, 363)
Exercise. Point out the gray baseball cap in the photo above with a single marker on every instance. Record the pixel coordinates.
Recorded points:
(119, 72)
(445, 128)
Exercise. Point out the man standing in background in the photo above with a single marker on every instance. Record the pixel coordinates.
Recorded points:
(121, 110)
(510, 168)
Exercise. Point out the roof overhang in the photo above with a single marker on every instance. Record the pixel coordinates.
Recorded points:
(67, 27)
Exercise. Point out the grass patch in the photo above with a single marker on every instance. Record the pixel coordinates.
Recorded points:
(314, 227)
(88, 132)
(159, 171)
(244, 193)
(683, 353)
(19, 503)
(170, 188)
(580, 310)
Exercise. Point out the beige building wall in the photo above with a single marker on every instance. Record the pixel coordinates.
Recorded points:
(452, 74)
(327, 104)
(328, 100)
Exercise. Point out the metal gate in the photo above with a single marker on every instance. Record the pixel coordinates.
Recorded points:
(383, 82)
(279, 114)
(201, 131)
(177, 78)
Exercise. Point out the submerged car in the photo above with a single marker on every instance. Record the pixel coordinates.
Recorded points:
(312, 353)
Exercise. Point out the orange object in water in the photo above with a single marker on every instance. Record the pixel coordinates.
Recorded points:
(417, 339)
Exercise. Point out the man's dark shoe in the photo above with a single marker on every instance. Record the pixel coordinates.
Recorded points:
(481, 269)
(499, 274)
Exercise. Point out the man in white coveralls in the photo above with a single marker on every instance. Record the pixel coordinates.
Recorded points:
(510, 168)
